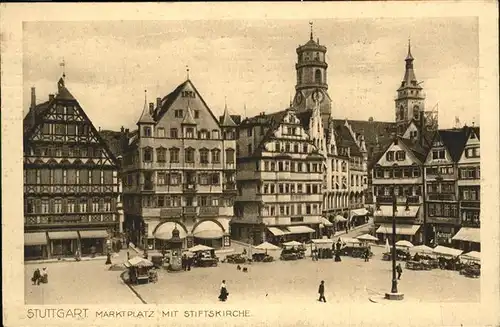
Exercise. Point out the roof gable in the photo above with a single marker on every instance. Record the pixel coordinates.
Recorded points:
(410, 158)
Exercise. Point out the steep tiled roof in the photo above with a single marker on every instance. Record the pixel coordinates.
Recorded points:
(113, 139)
(346, 140)
(373, 131)
(226, 119)
(454, 140)
(273, 121)
(415, 147)
(167, 101)
(28, 119)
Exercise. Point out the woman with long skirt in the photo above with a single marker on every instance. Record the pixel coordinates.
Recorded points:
(223, 292)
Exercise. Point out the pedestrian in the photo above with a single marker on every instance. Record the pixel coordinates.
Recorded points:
(77, 255)
(367, 254)
(45, 275)
(183, 262)
(399, 270)
(128, 255)
(108, 259)
(189, 262)
(321, 291)
(36, 277)
(223, 292)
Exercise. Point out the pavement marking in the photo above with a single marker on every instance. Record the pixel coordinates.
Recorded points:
(131, 288)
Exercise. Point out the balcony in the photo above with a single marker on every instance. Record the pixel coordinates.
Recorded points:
(474, 204)
(148, 187)
(209, 211)
(189, 187)
(171, 213)
(189, 211)
(473, 224)
(441, 197)
(388, 199)
(229, 187)
(70, 219)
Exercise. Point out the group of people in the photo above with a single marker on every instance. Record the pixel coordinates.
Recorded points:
(40, 276)
(186, 262)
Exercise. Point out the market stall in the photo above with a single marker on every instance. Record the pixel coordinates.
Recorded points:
(140, 270)
(264, 257)
(367, 238)
(323, 248)
(292, 250)
(448, 257)
(204, 256)
(471, 264)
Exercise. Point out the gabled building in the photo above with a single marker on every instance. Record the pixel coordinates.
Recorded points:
(280, 179)
(179, 172)
(71, 186)
(441, 172)
(469, 192)
(398, 173)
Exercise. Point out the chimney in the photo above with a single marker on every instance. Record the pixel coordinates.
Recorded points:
(33, 98)
(51, 97)
(151, 108)
(158, 102)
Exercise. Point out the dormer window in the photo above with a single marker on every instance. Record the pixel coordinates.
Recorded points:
(204, 135)
(161, 132)
(389, 156)
(173, 133)
(189, 133)
(147, 131)
(438, 154)
(400, 155)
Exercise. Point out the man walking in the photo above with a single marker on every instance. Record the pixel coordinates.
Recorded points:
(399, 270)
(321, 291)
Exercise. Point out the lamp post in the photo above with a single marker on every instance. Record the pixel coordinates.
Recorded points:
(394, 294)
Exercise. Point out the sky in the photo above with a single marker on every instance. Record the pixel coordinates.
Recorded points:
(251, 64)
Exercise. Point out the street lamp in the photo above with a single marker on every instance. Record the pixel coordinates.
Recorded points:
(394, 294)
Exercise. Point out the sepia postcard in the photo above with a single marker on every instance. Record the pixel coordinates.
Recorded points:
(288, 164)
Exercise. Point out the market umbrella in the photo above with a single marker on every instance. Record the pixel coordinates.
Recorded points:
(422, 249)
(349, 240)
(267, 246)
(138, 262)
(292, 243)
(404, 243)
(367, 237)
(200, 247)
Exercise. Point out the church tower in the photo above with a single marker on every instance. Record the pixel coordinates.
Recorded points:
(410, 99)
(312, 83)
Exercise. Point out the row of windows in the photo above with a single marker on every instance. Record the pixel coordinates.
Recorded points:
(471, 194)
(336, 166)
(65, 110)
(395, 155)
(470, 173)
(472, 152)
(442, 210)
(177, 201)
(67, 176)
(175, 178)
(286, 165)
(189, 132)
(356, 180)
(444, 187)
(81, 205)
(65, 129)
(398, 190)
(66, 151)
(288, 147)
(289, 188)
(470, 217)
(439, 170)
(396, 172)
(206, 156)
(438, 154)
(291, 210)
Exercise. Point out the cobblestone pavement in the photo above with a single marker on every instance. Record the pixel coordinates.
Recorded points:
(297, 281)
(84, 282)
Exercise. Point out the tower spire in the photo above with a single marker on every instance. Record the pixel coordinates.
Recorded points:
(63, 65)
(311, 23)
(409, 56)
(187, 71)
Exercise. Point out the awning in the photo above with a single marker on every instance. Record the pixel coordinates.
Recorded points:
(443, 250)
(359, 212)
(164, 231)
(151, 229)
(276, 231)
(400, 229)
(39, 238)
(98, 233)
(339, 218)
(322, 241)
(468, 234)
(208, 230)
(300, 229)
(67, 235)
(386, 211)
(326, 222)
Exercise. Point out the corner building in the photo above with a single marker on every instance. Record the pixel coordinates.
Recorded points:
(179, 172)
(71, 186)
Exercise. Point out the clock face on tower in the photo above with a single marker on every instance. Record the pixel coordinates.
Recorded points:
(317, 96)
(298, 98)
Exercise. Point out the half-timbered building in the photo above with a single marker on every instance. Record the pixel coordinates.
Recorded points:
(70, 180)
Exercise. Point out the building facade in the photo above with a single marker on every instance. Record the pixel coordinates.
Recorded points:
(280, 180)
(180, 172)
(441, 189)
(469, 192)
(71, 186)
